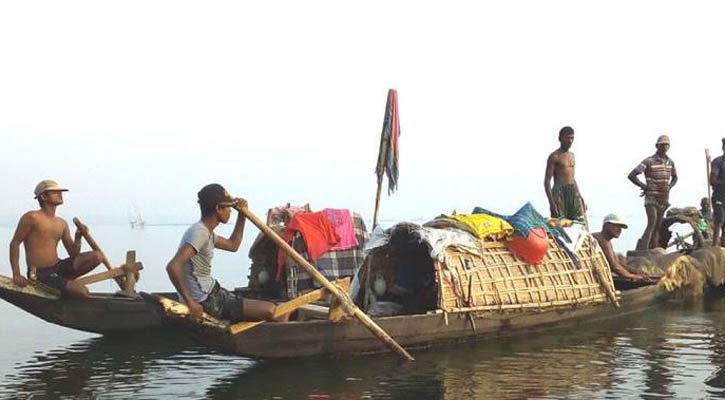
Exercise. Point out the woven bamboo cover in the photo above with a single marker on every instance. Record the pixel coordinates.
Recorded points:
(497, 280)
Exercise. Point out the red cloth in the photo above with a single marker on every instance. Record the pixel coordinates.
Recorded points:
(317, 232)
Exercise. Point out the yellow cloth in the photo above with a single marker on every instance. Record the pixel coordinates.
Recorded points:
(485, 226)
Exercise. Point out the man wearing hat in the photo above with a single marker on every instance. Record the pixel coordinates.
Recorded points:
(717, 180)
(612, 228)
(660, 175)
(190, 268)
(40, 231)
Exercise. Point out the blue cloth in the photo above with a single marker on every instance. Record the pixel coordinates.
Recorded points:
(524, 220)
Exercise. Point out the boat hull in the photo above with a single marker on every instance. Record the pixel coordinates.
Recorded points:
(324, 338)
(103, 313)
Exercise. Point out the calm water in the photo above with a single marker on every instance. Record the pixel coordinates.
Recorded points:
(674, 351)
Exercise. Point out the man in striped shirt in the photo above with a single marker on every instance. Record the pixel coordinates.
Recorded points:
(660, 175)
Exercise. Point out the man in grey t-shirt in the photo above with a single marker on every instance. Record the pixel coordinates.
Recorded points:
(190, 268)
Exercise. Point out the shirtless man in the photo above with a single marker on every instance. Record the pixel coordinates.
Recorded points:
(660, 175)
(564, 197)
(40, 231)
(612, 228)
(717, 180)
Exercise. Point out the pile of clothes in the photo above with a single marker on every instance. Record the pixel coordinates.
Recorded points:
(331, 239)
(526, 232)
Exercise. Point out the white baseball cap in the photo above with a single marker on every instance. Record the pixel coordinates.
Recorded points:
(616, 220)
(47, 185)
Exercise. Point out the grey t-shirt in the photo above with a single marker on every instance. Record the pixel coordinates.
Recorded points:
(196, 273)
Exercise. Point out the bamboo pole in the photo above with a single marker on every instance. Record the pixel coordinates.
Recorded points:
(316, 275)
(377, 203)
(603, 281)
(380, 170)
(708, 161)
(94, 246)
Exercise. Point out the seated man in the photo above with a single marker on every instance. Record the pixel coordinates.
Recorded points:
(190, 268)
(40, 231)
(612, 228)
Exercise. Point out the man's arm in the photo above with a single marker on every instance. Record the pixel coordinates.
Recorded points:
(715, 173)
(674, 176)
(633, 177)
(613, 260)
(25, 226)
(235, 240)
(73, 247)
(173, 268)
(550, 162)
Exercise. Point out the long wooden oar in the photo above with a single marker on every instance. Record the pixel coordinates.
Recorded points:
(316, 275)
(94, 246)
(593, 244)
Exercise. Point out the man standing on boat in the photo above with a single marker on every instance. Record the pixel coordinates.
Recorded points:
(660, 175)
(564, 197)
(612, 228)
(717, 180)
(40, 231)
(190, 268)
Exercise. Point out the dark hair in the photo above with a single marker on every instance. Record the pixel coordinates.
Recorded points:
(567, 130)
(209, 197)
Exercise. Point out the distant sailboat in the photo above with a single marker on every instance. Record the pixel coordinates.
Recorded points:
(135, 219)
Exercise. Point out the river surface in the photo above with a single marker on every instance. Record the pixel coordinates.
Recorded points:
(676, 350)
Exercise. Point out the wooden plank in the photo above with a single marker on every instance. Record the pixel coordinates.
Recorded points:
(92, 242)
(113, 273)
(130, 284)
(287, 307)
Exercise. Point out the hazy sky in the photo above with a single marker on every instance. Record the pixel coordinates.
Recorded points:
(142, 103)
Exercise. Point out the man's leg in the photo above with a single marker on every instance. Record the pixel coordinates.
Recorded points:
(659, 216)
(644, 242)
(75, 289)
(260, 310)
(81, 265)
(84, 263)
(717, 211)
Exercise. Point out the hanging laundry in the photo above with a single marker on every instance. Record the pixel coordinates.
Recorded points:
(316, 231)
(341, 221)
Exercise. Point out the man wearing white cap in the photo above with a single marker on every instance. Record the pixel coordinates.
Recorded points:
(40, 231)
(660, 175)
(612, 228)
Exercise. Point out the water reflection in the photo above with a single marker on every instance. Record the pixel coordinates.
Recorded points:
(95, 367)
(675, 351)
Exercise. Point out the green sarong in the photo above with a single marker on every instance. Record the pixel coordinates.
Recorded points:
(567, 200)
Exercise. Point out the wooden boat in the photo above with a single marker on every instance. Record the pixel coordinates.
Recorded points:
(479, 290)
(349, 337)
(104, 313)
